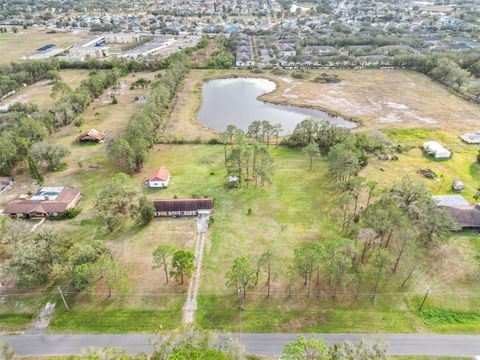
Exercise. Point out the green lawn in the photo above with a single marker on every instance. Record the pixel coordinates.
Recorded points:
(115, 320)
(15, 321)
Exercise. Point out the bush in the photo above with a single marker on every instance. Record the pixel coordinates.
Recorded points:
(211, 220)
(62, 166)
(69, 214)
(300, 74)
(214, 141)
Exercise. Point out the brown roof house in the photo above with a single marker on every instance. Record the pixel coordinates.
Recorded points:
(465, 214)
(158, 179)
(183, 207)
(45, 202)
(91, 135)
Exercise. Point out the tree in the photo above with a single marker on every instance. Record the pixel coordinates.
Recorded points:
(306, 349)
(7, 352)
(111, 272)
(364, 350)
(32, 259)
(121, 154)
(161, 256)
(305, 132)
(343, 161)
(8, 156)
(240, 275)
(15, 231)
(190, 342)
(50, 154)
(312, 152)
(53, 75)
(144, 212)
(114, 200)
(305, 260)
(379, 261)
(182, 264)
(36, 174)
(266, 262)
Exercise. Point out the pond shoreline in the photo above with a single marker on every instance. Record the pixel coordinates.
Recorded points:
(265, 98)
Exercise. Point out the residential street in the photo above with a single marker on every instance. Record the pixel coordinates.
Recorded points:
(266, 344)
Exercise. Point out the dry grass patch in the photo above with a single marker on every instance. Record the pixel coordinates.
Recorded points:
(39, 93)
(14, 46)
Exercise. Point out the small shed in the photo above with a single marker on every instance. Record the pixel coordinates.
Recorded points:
(160, 178)
(458, 186)
(435, 149)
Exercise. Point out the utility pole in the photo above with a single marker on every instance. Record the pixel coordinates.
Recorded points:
(423, 301)
(63, 298)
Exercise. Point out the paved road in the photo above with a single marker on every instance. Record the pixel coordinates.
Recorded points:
(266, 344)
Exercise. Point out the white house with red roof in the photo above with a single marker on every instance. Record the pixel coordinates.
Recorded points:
(158, 179)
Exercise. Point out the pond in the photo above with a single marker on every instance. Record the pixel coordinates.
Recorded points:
(234, 101)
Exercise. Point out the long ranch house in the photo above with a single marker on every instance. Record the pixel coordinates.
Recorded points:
(183, 207)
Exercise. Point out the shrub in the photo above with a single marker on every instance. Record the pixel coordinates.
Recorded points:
(214, 141)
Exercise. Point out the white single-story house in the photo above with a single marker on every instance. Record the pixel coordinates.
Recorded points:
(433, 148)
(158, 179)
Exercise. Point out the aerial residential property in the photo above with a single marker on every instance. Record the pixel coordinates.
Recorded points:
(240, 179)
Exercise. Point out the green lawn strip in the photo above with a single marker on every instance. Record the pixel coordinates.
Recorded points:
(111, 320)
(225, 315)
(14, 321)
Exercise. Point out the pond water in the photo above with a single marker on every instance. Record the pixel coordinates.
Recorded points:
(234, 101)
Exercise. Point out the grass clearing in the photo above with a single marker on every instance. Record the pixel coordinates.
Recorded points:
(14, 321)
(379, 99)
(14, 46)
(116, 320)
(39, 93)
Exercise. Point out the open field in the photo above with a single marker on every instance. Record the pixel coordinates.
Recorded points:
(25, 42)
(462, 165)
(378, 99)
(39, 93)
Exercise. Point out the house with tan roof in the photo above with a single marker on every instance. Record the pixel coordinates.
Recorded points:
(158, 179)
(48, 201)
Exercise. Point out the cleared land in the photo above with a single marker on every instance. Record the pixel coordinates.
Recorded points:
(14, 46)
(39, 93)
(378, 99)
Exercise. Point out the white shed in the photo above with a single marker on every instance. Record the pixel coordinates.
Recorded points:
(433, 148)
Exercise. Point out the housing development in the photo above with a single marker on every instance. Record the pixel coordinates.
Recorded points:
(240, 179)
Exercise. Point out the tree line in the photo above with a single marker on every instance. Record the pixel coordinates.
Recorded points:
(150, 125)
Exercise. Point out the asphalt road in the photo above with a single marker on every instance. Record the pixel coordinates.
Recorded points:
(265, 344)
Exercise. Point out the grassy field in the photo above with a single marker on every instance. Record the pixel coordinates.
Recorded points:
(39, 93)
(14, 46)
